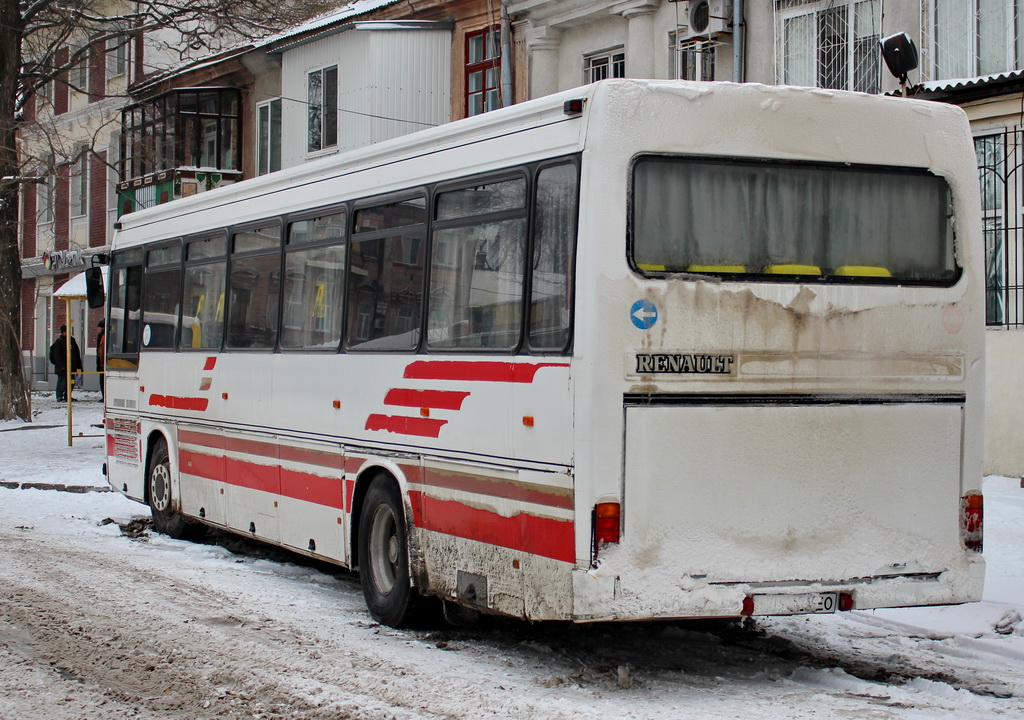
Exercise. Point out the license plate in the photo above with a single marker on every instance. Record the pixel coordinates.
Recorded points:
(827, 603)
(797, 604)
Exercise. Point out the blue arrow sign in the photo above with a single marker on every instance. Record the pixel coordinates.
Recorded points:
(643, 314)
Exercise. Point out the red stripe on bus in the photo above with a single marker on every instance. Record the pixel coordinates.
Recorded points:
(483, 371)
(266, 478)
(439, 399)
(422, 427)
(327, 491)
(251, 447)
(546, 537)
(210, 362)
(179, 403)
(323, 458)
(317, 489)
(210, 467)
(198, 438)
(501, 488)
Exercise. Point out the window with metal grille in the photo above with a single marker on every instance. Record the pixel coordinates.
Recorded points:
(609, 64)
(830, 44)
(1000, 159)
(976, 37)
(693, 60)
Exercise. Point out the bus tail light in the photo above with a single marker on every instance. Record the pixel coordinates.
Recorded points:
(972, 520)
(606, 525)
(845, 602)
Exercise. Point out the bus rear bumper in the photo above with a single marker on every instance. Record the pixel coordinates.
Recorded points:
(600, 598)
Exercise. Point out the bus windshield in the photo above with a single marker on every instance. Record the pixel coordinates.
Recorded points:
(769, 220)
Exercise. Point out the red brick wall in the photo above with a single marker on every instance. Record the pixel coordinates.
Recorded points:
(97, 71)
(62, 210)
(30, 108)
(28, 314)
(140, 60)
(98, 199)
(61, 91)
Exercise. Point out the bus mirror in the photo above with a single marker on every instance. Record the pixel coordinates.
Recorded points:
(94, 287)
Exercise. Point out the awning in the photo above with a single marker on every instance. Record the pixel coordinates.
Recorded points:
(74, 289)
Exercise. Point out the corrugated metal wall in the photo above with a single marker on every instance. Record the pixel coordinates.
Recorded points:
(392, 80)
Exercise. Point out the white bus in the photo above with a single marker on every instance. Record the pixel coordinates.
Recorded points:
(645, 349)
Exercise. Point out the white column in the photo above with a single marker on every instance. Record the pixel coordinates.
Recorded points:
(640, 40)
(542, 45)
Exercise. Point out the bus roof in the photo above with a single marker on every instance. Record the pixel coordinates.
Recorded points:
(619, 95)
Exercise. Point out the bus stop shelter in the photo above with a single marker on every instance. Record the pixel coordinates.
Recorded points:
(74, 289)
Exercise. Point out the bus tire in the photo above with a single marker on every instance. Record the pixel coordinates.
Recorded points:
(384, 556)
(161, 501)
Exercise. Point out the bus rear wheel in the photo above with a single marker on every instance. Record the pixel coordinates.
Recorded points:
(384, 556)
(158, 486)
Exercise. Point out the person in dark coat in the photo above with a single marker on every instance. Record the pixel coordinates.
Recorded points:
(59, 358)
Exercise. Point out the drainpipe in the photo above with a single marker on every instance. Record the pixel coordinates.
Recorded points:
(506, 58)
(738, 28)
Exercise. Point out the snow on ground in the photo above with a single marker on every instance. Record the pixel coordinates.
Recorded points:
(97, 623)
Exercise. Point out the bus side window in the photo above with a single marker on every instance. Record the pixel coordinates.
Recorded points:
(385, 276)
(255, 274)
(125, 303)
(202, 324)
(161, 298)
(553, 241)
(314, 279)
(476, 271)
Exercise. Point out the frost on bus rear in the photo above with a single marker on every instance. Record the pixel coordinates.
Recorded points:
(640, 350)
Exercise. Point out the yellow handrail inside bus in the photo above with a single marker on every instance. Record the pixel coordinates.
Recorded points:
(793, 269)
(863, 271)
(651, 268)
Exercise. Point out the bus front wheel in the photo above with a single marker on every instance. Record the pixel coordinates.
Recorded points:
(384, 556)
(165, 519)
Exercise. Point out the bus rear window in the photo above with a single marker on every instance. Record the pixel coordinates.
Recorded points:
(786, 221)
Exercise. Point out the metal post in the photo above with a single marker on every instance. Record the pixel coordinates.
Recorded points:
(69, 321)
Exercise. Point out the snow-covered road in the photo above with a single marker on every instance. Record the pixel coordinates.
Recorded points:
(95, 623)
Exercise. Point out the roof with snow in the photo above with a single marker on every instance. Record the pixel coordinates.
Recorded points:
(967, 89)
(327, 20)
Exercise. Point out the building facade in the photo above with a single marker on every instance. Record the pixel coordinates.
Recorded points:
(375, 69)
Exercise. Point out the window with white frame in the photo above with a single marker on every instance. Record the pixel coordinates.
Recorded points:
(691, 60)
(78, 76)
(322, 108)
(46, 191)
(268, 133)
(972, 37)
(830, 43)
(78, 196)
(117, 56)
(608, 64)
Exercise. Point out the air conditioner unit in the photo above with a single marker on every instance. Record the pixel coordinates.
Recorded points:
(707, 18)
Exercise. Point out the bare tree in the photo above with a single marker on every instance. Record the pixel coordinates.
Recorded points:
(41, 42)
